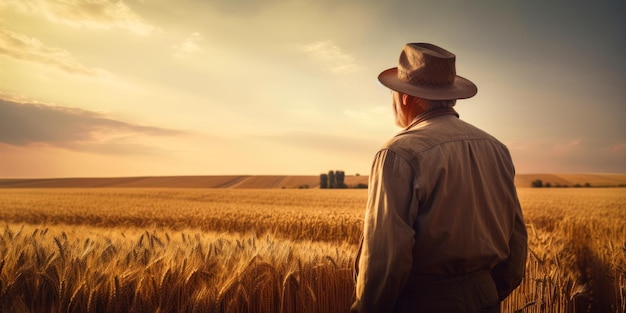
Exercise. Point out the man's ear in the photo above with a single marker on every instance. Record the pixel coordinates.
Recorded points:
(406, 99)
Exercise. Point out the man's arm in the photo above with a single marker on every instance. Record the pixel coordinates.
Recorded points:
(509, 274)
(385, 258)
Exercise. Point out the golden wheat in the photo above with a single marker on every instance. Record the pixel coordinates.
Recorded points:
(577, 261)
(198, 250)
(313, 214)
(91, 269)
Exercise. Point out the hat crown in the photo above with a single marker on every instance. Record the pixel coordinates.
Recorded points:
(427, 65)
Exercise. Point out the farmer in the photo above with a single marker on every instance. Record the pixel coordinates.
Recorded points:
(443, 228)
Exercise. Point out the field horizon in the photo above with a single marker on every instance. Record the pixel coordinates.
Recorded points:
(281, 181)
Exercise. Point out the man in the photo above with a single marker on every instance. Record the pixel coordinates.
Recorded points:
(443, 229)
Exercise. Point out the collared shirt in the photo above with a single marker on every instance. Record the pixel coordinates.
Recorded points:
(441, 201)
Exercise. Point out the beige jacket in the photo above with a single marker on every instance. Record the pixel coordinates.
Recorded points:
(441, 202)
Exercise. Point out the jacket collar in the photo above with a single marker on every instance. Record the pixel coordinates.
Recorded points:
(431, 114)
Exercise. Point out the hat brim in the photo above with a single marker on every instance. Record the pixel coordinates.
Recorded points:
(462, 88)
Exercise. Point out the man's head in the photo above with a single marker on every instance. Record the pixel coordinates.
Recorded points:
(407, 107)
(425, 79)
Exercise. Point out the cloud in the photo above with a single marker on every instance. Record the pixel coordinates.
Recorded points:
(619, 148)
(569, 156)
(369, 114)
(331, 144)
(189, 46)
(25, 48)
(29, 123)
(567, 148)
(332, 58)
(98, 14)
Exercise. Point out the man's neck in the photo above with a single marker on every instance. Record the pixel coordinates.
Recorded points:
(432, 114)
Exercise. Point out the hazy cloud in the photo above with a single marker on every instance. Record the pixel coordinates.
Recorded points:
(26, 48)
(567, 148)
(23, 124)
(369, 114)
(331, 144)
(189, 46)
(572, 156)
(332, 58)
(620, 147)
(99, 14)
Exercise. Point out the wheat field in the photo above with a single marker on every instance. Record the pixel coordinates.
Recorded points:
(271, 250)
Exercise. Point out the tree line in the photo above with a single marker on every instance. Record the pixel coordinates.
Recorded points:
(332, 180)
(336, 180)
(538, 183)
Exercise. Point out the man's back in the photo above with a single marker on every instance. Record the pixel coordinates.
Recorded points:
(465, 196)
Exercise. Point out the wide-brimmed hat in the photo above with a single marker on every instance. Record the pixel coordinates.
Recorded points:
(427, 71)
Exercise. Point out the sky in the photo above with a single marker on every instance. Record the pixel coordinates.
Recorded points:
(97, 88)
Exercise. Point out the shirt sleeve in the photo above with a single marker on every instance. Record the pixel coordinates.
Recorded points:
(509, 273)
(385, 258)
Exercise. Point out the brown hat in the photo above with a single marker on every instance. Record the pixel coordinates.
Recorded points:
(427, 71)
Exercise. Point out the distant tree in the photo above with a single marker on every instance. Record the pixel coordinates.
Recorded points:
(587, 185)
(548, 185)
(323, 181)
(361, 186)
(340, 179)
(537, 183)
(334, 179)
(332, 183)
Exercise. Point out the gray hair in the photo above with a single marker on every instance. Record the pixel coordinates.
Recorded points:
(436, 104)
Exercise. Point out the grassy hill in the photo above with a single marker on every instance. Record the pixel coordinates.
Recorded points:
(256, 182)
(570, 180)
(278, 181)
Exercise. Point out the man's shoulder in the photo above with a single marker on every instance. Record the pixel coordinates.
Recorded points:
(410, 142)
(437, 132)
